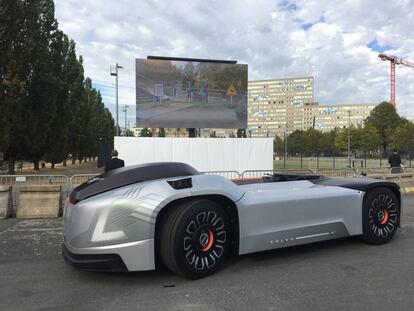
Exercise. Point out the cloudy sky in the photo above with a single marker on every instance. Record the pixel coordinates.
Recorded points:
(337, 42)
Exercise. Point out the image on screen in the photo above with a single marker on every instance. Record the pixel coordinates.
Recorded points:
(183, 94)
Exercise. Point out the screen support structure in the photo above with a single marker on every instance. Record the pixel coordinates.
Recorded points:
(186, 59)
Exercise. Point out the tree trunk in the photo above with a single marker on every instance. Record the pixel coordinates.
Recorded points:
(53, 165)
(73, 160)
(65, 162)
(11, 166)
(36, 165)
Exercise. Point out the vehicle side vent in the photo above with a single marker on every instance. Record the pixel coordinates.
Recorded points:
(181, 183)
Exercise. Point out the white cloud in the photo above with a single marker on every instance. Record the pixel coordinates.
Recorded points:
(324, 38)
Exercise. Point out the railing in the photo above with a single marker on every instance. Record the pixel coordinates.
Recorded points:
(225, 174)
(79, 179)
(61, 180)
(338, 172)
(260, 173)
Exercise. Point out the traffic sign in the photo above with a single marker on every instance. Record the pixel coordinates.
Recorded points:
(231, 91)
(159, 89)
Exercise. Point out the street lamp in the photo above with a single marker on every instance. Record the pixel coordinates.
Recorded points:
(285, 136)
(126, 124)
(114, 72)
(349, 138)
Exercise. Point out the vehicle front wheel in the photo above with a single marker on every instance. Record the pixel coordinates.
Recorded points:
(380, 216)
(195, 238)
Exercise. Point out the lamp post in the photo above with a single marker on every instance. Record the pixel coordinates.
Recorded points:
(285, 141)
(114, 72)
(349, 138)
(126, 118)
(334, 147)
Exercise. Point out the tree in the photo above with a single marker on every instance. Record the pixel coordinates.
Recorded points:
(145, 132)
(385, 119)
(327, 142)
(311, 141)
(366, 138)
(129, 133)
(47, 108)
(295, 142)
(56, 147)
(26, 77)
(76, 103)
(404, 138)
(241, 133)
(278, 145)
(161, 132)
(342, 139)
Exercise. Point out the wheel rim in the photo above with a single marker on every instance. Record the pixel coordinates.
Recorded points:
(204, 240)
(382, 215)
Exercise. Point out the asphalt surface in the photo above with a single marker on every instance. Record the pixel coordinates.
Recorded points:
(337, 275)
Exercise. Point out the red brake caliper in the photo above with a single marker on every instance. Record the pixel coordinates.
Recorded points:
(210, 241)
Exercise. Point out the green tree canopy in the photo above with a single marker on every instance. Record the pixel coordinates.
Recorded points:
(47, 107)
(145, 132)
(404, 137)
(385, 119)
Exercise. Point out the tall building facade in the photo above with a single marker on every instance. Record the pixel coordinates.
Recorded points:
(328, 117)
(273, 105)
(286, 105)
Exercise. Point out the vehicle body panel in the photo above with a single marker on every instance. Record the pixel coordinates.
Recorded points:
(271, 215)
(290, 213)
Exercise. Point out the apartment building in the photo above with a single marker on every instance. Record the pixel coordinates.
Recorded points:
(273, 105)
(279, 105)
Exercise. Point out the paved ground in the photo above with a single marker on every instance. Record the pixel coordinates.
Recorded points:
(337, 275)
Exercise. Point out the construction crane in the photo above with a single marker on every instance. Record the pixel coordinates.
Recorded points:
(394, 60)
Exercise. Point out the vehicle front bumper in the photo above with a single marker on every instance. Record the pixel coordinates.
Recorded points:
(132, 256)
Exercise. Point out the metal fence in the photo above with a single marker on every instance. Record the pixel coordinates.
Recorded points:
(225, 174)
(261, 173)
(61, 180)
(79, 179)
(338, 172)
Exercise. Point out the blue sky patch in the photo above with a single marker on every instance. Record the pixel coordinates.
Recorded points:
(286, 5)
(375, 46)
(306, 26)
(105, 89)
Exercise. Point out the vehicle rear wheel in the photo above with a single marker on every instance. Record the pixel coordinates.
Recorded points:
(380, 216)
(195, 238)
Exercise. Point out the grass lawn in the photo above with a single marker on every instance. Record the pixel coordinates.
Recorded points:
(326, 163)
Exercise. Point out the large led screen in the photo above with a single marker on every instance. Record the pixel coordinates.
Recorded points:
(182, 94)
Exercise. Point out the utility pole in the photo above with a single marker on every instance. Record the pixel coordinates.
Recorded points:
(114, 72)
(349, 138)
(126, 119)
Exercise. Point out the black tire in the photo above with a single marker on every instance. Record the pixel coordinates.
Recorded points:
(380, 216)
(195, 238)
